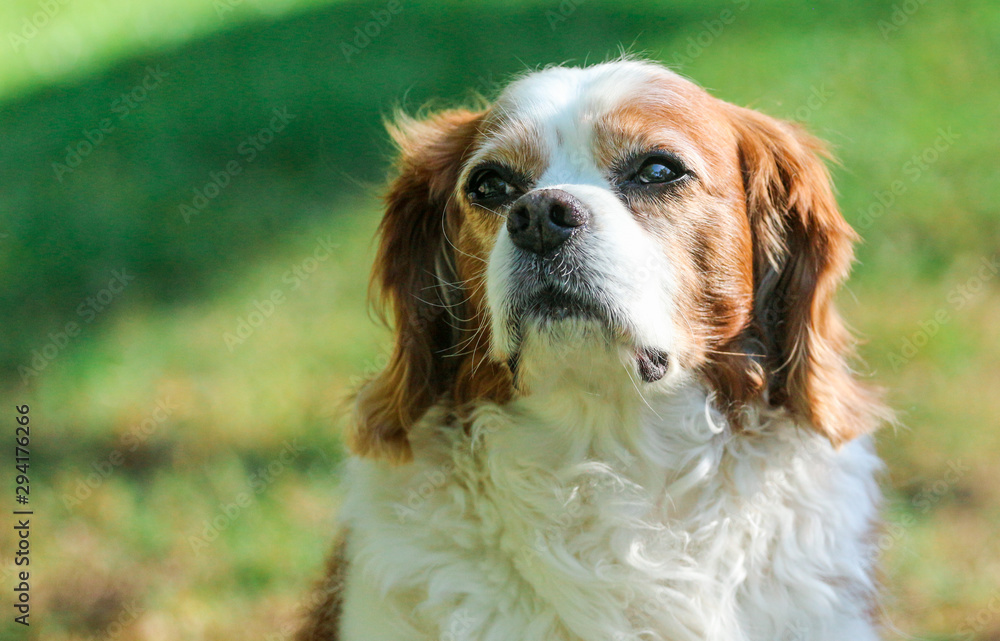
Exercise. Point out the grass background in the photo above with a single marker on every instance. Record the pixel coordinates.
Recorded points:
(169, 426)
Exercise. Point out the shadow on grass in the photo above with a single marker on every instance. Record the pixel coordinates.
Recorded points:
(166, 171)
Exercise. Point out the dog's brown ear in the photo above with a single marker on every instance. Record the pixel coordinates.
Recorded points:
(802, 252)
(412, 263)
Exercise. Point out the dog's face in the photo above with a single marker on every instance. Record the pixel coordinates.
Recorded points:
(610, 206)
(621, 210)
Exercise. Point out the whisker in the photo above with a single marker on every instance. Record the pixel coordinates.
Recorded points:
(444, 231)
(492, 211)
(639, 391)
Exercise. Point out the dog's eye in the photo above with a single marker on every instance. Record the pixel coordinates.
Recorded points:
(658, 170)
(488, 185)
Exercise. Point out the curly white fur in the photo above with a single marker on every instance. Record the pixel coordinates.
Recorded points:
(576, 516)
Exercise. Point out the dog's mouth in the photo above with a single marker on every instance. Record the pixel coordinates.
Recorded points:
(550, 306)
(553, 304)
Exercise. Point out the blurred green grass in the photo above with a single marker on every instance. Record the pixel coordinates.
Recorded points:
(133, 542)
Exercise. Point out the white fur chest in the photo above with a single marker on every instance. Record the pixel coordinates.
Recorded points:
(657, 525)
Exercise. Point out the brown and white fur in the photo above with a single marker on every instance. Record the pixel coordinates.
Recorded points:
(620, 404)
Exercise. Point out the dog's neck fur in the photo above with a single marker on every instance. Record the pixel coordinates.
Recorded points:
(586, 510)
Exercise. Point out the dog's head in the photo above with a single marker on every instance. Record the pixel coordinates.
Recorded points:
(617, 210)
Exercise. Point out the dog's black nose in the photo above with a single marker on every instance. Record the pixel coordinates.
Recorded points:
(542, 220)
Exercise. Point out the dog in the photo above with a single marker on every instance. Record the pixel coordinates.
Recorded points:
(620, 402)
